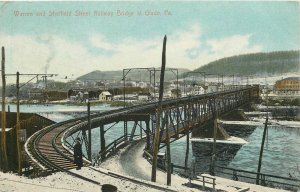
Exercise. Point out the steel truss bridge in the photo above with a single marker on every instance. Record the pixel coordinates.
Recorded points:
(50, 149)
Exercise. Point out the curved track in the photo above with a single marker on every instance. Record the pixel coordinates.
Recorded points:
(46, 148)
(46, 151)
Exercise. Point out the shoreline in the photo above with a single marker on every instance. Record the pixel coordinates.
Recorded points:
(108, 172)
(130, 161)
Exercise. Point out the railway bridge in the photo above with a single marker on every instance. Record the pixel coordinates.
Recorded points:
(50, 149)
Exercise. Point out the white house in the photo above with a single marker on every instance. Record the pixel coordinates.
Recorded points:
(197, 90)
(143, 96)
(105, 96)
(142, 84)
(172, 86)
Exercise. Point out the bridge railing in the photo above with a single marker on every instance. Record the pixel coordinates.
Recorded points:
(114, 146)
(264, 179)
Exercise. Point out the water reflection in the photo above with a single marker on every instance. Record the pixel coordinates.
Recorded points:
(202, 153)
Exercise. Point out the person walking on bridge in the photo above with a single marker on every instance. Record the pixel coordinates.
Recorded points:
(78, 154)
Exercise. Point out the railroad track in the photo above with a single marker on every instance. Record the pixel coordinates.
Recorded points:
(46, 149)
(51, 156)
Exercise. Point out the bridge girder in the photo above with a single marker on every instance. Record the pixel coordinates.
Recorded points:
(182, 114)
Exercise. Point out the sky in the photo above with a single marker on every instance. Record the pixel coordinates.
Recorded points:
(74, 38)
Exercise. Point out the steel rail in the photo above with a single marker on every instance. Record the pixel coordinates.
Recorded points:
(38, 158)
(52, 165)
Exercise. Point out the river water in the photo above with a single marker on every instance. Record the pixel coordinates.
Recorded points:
(281, 154)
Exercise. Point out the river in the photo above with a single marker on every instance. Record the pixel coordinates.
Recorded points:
(281, 154)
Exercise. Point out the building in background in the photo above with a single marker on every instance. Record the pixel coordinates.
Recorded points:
(289, 86)
(105, 96)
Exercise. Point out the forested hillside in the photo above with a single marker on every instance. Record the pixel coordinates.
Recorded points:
(257, 63)
(134, 74)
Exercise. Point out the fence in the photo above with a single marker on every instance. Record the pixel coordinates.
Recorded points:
(114, 146)
(264, 179)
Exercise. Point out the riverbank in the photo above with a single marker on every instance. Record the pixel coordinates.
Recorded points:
(130, 161)
(73, 103)
(118, 171)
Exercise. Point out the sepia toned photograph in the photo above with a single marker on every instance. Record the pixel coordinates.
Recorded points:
(124, 96)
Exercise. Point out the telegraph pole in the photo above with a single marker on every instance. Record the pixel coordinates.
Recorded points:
(186, 160)
(233, 81)
(124, 89)
(157, 129)
(18, 87)
(3, 122)
(213, 158)
(89, 131)
(18, 126)
(262, 143)
(168, 149)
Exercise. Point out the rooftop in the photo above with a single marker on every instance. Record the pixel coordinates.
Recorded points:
(106, 93)
(292, 78)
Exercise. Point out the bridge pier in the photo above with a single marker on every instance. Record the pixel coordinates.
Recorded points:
(235, 115)
(207, 131)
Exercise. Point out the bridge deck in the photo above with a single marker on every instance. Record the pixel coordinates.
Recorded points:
(46, 149)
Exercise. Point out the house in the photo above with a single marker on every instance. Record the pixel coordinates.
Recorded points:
(76, 83)
(212, 88)
(143, 96)
(38, 94)
(131, 84)
(85, 96)
(105, 96)
(288, 86)
(172, 86)
(175, 93)
(142, 84)
(197, 90)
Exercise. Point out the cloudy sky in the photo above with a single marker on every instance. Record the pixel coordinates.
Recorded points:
(75, 40)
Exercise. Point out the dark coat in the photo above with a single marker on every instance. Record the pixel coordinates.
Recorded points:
(78, 154)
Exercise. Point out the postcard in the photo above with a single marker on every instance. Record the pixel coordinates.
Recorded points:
(150, 95)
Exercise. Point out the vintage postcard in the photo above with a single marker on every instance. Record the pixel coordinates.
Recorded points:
(150, 96)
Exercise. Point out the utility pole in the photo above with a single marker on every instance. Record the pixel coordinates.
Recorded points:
(157, 129)
(177, 88)
(3, 122)
(222, 83)
(232, 80)
(187, 151)
(18, 87)
(102, 140)
(168, 149)
(262, 143)
(124, 89)
(89, 131)
(214, 146)
(212, 170)
(18, 126)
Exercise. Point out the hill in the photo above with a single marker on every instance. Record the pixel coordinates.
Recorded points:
(137, 75)
(256, 63)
